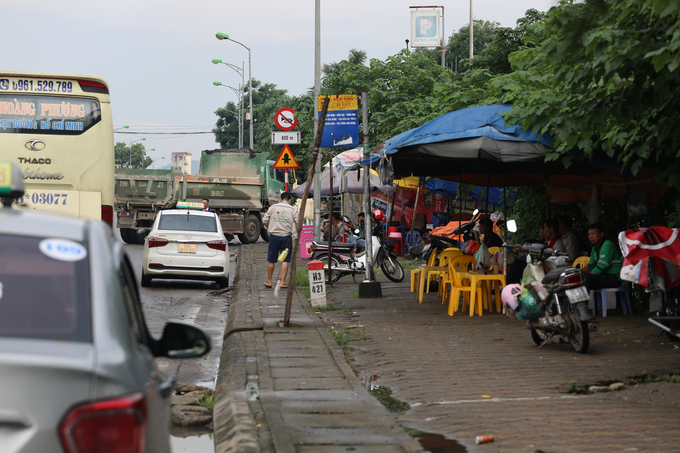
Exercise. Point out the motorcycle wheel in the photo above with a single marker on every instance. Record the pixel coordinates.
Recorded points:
(392, 269)
(538, 336)
(334, 263)
(579, 336)
(672, 309)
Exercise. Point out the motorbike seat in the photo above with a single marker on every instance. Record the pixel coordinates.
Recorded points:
(554, 274)
(336, 245)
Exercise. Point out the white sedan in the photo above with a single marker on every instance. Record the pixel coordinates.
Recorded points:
(186, 244)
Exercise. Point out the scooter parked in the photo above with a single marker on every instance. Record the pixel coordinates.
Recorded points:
(344, 259)
(554, 298)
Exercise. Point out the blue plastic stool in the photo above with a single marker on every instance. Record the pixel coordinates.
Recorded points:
(407, 241)
(622, 296)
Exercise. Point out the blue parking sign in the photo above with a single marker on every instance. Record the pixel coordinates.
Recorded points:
(341, 129)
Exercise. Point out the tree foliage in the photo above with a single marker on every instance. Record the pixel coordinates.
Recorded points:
(131, 157)
(603, 80)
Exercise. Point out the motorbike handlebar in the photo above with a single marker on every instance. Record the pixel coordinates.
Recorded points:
(535, 249)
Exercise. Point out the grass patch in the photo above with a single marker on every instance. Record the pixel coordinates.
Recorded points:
(345, 311)
(340, 337)
(207, 401)
(413, 432)
(305, 292)
(301, 278)
(384, 395)
(649, 378)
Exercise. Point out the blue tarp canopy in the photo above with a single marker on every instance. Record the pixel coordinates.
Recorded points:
(444, 187)
(474, 145)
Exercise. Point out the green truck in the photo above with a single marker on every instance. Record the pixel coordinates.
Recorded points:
(240, 184)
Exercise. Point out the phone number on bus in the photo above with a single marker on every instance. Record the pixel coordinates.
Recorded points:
(43, 86)
(43, 198)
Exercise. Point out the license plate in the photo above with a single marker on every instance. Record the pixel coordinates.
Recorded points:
(187, 248)
(577, 294)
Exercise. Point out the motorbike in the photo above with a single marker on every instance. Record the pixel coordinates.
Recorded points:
(345, 260)
(651, 259)
(557, 301)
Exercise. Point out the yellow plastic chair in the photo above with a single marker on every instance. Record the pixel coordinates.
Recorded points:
(461, 264)
(581, 262)
(443, 274)
(492, 252)
(458, 287)
(429, 271)
(415, 273)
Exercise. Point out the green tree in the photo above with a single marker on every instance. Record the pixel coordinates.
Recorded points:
(134, 157)
(604, 81)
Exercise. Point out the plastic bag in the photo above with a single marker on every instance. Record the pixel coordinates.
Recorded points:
(529, 308)
(472, 248)
(483, 259)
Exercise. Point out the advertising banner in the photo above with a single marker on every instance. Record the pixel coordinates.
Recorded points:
(425, 28)
(341, 129)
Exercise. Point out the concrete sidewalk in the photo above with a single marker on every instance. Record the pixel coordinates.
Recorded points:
(291, 389)
(462, 376)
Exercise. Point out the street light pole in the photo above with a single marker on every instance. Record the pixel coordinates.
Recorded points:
(131, 142)
(250, 81)
(239, 95)
(154, 162)
(242, 72)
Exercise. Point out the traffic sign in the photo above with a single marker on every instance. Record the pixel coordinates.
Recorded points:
(286, 160)
(286, 138)
(285, 119)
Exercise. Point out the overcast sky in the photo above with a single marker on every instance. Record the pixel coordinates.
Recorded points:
(156, 54)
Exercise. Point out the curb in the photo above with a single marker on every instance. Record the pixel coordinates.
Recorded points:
(235, 428)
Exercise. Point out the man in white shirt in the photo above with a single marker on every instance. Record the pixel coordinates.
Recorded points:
(280, 221)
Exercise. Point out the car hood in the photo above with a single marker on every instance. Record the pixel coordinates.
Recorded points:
(41, 380)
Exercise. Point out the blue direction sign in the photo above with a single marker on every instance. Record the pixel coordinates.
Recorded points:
(341, 129)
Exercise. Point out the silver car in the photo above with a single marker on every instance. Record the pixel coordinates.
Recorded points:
(186, 244)
(76, 359)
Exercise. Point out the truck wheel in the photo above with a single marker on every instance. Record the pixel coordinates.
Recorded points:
(252, 228)
(243, 238)
(139, 239)
(126, 235)
(264, 234)
(146, 280)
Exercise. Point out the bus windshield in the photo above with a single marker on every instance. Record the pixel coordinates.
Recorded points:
(58, 129)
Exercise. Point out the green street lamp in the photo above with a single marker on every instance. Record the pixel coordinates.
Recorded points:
(131, 142)
(239, 96)
(222, 36)
(154, 162)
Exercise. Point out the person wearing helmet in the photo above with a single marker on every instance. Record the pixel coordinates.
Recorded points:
(378, 215)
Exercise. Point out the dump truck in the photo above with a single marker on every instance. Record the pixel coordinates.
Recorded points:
(138, 196)
(240, 184)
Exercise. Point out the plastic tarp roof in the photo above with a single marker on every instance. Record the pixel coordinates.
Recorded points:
(344, 181)
(451, 188)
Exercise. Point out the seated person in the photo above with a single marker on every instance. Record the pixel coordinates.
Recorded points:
(604, 267)
(550, 229)
(332, 229)
(568, 238)
(359, 238)
(491, 239)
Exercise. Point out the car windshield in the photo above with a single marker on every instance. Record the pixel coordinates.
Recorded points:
(42, 297)
(188, 222)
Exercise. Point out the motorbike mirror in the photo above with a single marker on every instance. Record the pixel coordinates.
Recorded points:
(475, 212)
(512, 226)
(357, 231)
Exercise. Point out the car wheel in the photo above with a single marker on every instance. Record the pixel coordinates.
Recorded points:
(264, 234)
(252, 228)
(127, 235)
(146, 280)
(223, 283)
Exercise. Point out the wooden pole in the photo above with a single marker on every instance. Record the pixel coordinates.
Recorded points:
(415, 207)
(310, 176)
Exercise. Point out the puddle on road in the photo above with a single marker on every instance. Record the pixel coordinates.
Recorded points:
(192, 444)
(192, 440)
(436, 443)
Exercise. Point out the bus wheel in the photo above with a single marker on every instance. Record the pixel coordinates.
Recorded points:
(126, 235)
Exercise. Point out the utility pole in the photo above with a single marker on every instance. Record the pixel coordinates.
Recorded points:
(317, 93)
(471, 33)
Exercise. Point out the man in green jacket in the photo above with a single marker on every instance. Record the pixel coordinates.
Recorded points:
(605, 261)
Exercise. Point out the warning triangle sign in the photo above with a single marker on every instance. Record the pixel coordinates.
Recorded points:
(286, 160)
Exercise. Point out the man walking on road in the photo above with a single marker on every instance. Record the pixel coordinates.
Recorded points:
(280, 221)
